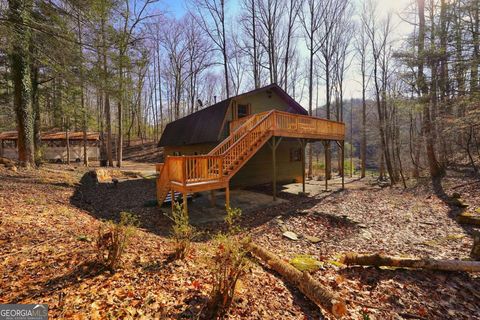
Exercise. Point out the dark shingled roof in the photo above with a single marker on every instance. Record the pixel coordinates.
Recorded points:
(199, 127)
(205, 126)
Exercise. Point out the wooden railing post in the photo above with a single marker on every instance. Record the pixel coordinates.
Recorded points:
(184, 171)
(220, 169)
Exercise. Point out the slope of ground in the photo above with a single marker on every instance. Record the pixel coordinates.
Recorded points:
(50, 217)
(143, 152)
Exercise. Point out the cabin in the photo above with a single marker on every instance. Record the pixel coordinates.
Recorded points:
(55, 145)
(254, 138)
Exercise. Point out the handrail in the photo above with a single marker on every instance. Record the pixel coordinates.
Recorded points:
(246, 133)
(237, 134)
(236, 149)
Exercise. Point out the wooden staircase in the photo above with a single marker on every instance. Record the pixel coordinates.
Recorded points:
(248, 135)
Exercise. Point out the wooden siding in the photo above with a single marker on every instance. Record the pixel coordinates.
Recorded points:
(260, 102)
(258, 170)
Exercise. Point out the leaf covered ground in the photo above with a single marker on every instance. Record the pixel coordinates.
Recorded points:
(49, 220)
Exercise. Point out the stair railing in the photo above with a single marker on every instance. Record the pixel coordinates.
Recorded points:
(248, 140)
(238, 133)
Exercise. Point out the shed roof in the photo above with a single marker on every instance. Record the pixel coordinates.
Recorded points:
(57, 135)
(205, 126)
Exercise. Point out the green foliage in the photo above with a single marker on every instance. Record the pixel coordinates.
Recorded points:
(228, 264)
(306, 263)
(347, 165)
(113, 238)
(232, 218)
(182, 231)
(40, 155)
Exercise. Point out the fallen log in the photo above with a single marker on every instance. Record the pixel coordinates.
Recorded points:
(380, 260)
(310, 287)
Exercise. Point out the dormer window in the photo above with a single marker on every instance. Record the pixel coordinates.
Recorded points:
(243, 110)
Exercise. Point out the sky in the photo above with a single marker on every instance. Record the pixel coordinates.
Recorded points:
(178, 8)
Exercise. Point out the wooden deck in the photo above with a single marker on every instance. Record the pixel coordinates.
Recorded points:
(214, 170)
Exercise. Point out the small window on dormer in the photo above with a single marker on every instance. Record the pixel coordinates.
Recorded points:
(243, 110)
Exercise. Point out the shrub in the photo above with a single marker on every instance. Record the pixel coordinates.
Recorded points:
(182, 231)
(228, 264)
(113, 238)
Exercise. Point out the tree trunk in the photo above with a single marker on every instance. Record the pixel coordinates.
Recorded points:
(379, 260)
(19, 16)
(434, 166)
(364, 122)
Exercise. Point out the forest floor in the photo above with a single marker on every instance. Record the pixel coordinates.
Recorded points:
(49, 219)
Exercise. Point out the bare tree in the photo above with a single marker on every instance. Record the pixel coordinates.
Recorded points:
(211, 18)
(361, 48)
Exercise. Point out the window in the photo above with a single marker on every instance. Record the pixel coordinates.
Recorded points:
(295, 154)
(243, 110)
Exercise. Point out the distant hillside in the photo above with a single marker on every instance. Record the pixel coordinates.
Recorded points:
(356, 115)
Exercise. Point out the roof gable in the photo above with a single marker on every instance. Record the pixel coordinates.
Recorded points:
(205, 126)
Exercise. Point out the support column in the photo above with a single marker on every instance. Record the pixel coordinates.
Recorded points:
(274, 146)
(342, 144)
(274, 168)
(302, 145)
(227, 196)
(172, 198)
(326, 148)
(212, 198)
(185, 203)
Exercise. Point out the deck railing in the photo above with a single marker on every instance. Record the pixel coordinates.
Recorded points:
(301, 124)
(193, 169)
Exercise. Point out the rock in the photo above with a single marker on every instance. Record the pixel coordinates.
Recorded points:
(290, 235)
(458, 202)
(306, 263)
(475, 253)
(456, 195)
(279, 220)
(361, 225)
(312, 239)
(283, 228)
(367, 235)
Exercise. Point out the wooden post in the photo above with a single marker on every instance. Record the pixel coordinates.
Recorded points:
(302, 144)
(274, 146)
(325, 147)
(185, 203)
(172, 198)
(212, 198)
(274, 168)
(227, 196)
(343, 163)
